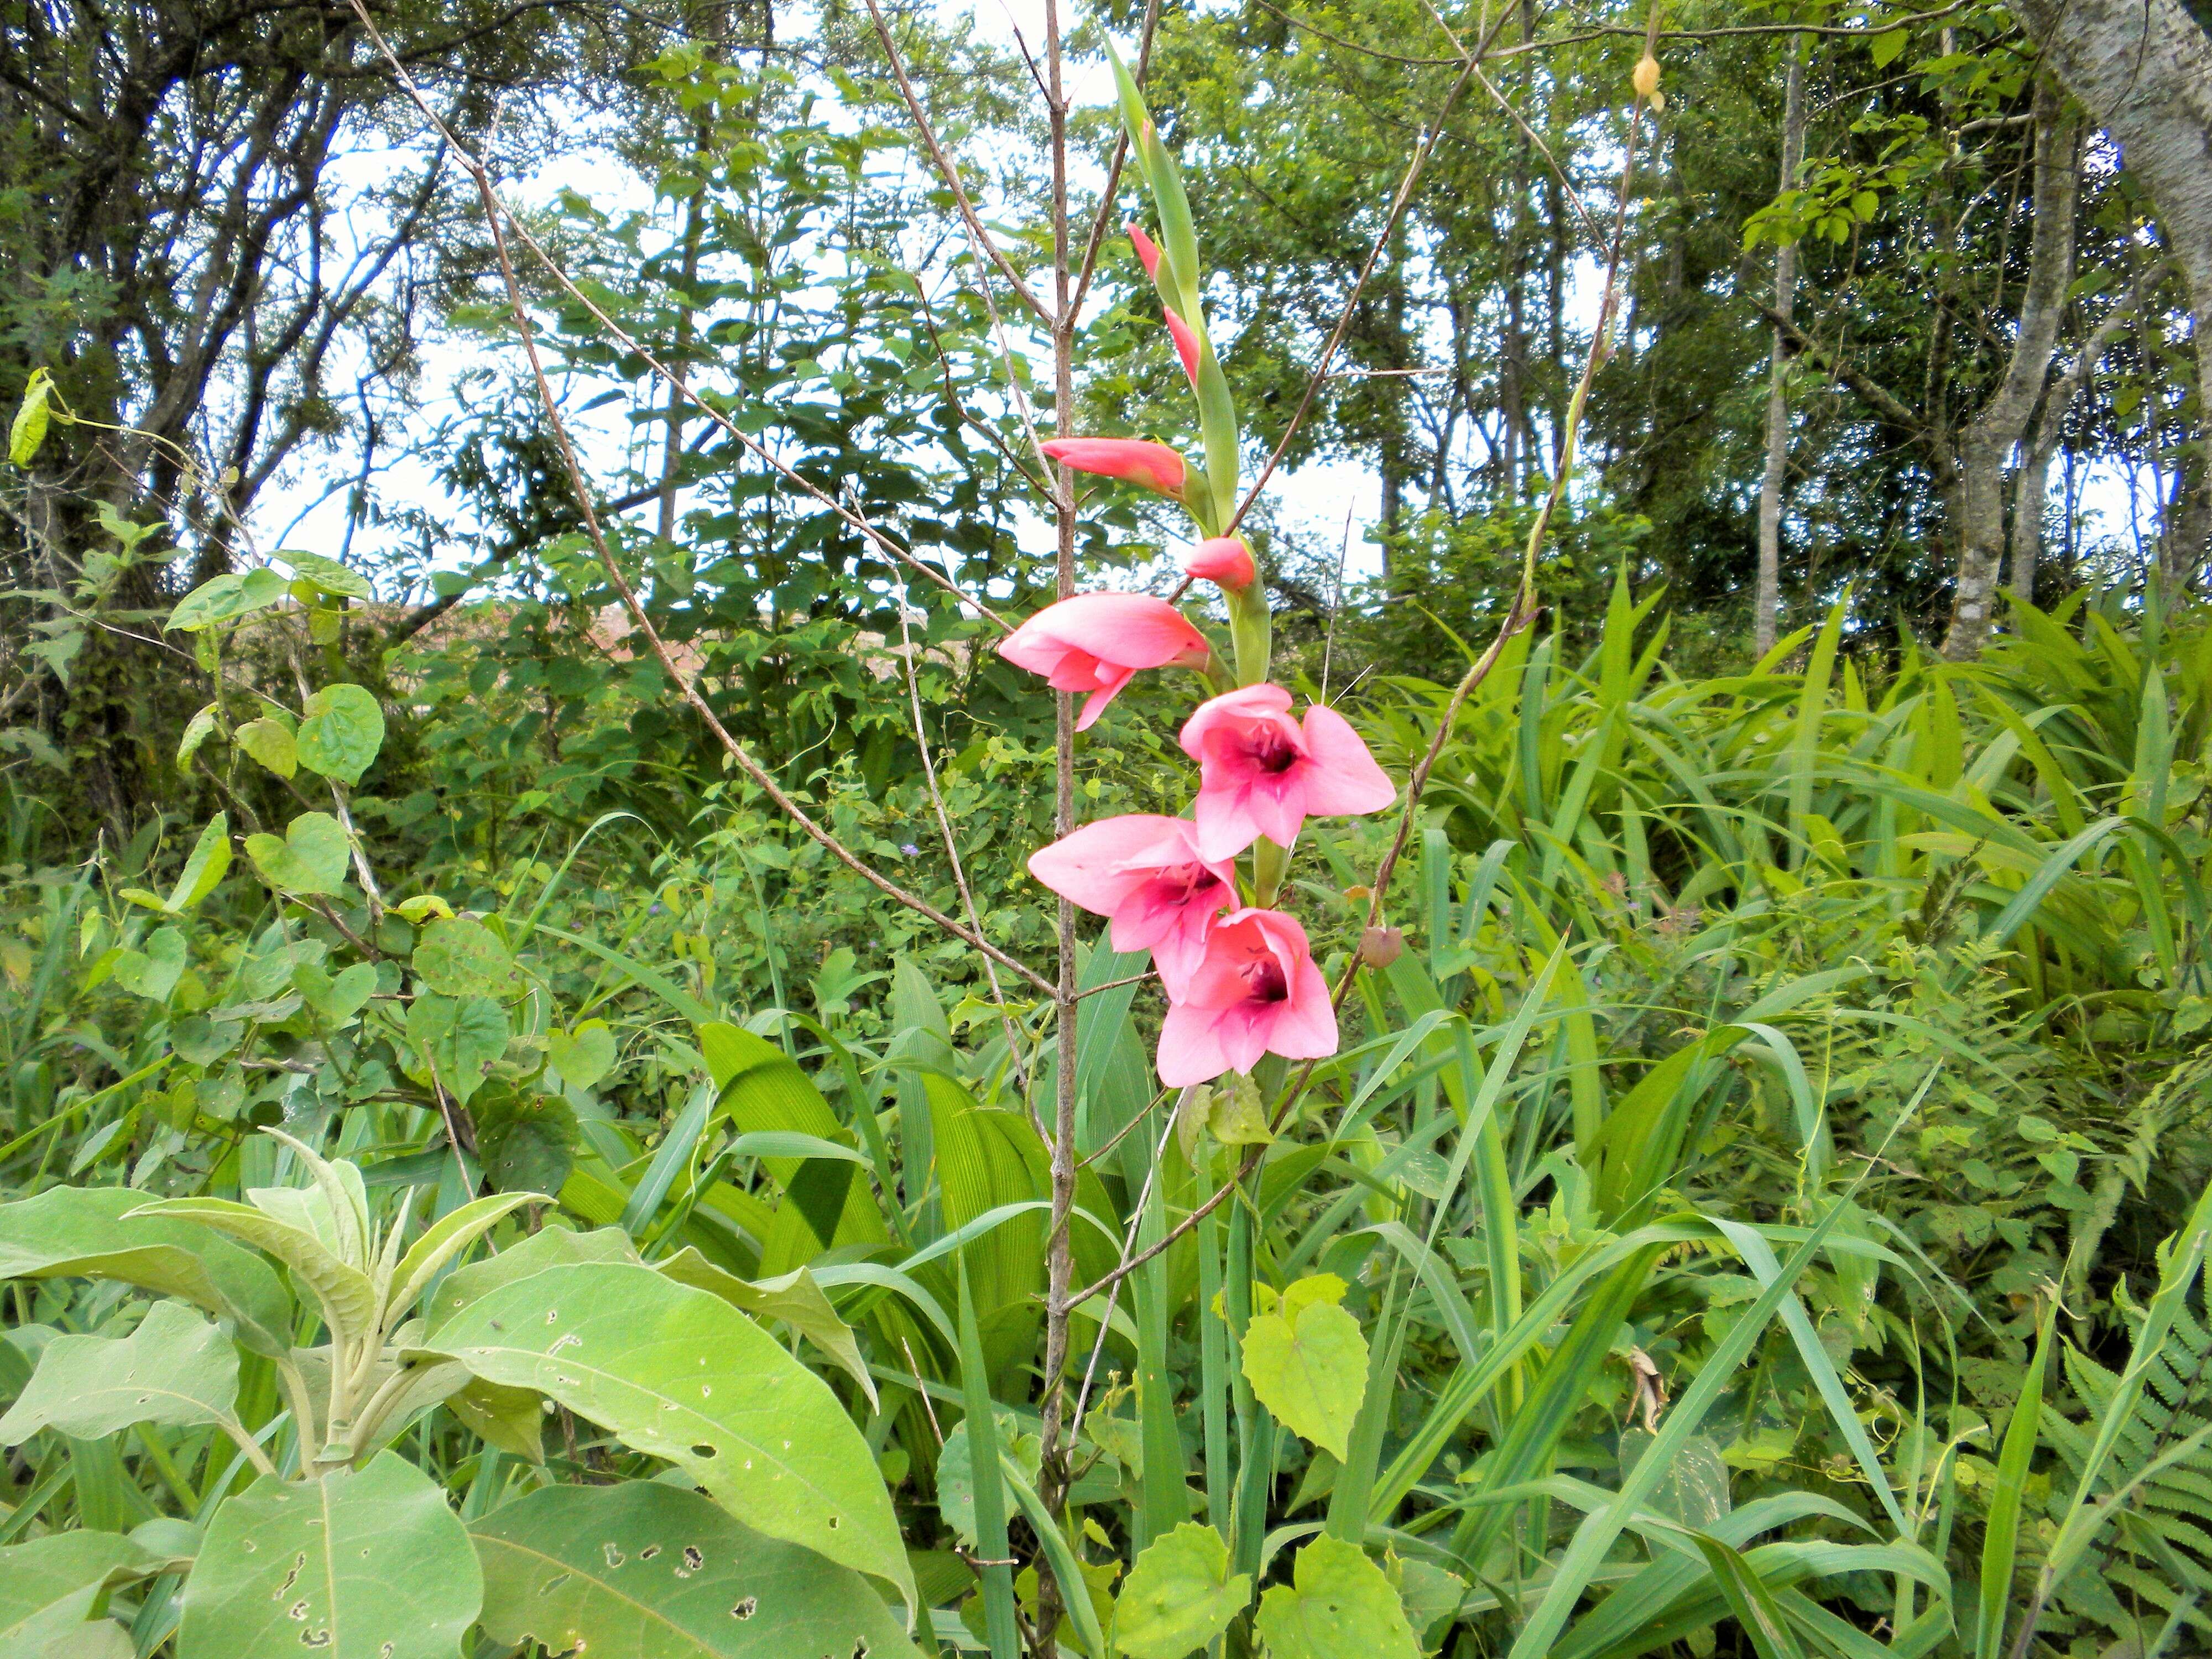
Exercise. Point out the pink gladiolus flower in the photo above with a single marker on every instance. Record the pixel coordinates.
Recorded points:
(1137, 459)
(1256, 991)
(1224, 561)
(1144, 872)
(1096, 642)
(1260, 773)
(1148, 253)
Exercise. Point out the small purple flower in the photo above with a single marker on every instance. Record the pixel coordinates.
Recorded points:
(908, 849)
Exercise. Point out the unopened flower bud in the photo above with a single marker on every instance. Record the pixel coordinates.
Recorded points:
(1646, 77)
(1381, 946)
(1223, 561)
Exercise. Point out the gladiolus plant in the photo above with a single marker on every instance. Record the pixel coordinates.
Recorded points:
(1201, 893)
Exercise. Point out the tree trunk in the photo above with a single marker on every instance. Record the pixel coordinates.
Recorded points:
(2032, 489)
(1767, 611)
(1997, 430)
(2143, 69)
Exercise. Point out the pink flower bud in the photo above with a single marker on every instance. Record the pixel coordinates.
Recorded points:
(1148, 253)
(1223, 561)
(1139, 460)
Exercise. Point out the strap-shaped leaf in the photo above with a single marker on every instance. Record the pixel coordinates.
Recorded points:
(446, 1238)
(652, 1572)
(177, 1368)
(680, 1373)
(105, 1233)
(367, 1564)
(348, 1299)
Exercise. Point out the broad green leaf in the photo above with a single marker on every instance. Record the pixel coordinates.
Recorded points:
(584, 1055)
(91, 1231)
(271, 743)
(549, 1247)
(326, 573)
(1180, 1595)
(677, 1373)
(49, 1587)
(446, 1238)
(1307, 1361)
(28, 429)
(204, 870)
(153, 972)
(367, 1564)
(527, 1142)
(225, 598)
(792, 1298)
(650, 1571)
(198, 731)
(1338, 1605)
(347, 1298)
(310, 858)
(513, 1419)
(462, 958)
(342, 733)
(460, 1037)
(177, 1368)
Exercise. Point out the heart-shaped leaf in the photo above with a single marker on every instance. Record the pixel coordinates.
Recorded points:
(459, 1038)
(367, 1563)
(1338, 1602)
(326, 573)
(655, 1572)
(1180, 1594)
(153, 972)
(342, 733)
(679, 1374)
(1307, 1361)
(311, 858)
(527, 1142)
(462, 958)
(584, 1055)
(225, 598)
(269, 742)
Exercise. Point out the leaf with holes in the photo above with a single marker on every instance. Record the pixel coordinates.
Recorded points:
(1338, 1602)
(177, 1368)
(652, 1572)
(362, 1564)
(462, 958)
(90, 1231)
(342, 733)
(680, 1373)
(1180, 1594)
(1307, 1361)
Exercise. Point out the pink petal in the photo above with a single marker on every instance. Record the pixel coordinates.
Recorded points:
(1226, 822)
(1190, 1047)
(1305, 1024)
(1103, 863)
(1343, 776)
(1129, 630)
(1246, 703)
(1095, 704)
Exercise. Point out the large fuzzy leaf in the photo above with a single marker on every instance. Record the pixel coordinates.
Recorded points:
(367, 1564)
(348, 1299)
(49, 1587)
(680, 1373)
(652, 1572)
(105, 1233)
(176, 1369)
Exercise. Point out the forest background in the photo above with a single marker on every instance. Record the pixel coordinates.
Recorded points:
(1762, 1173)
